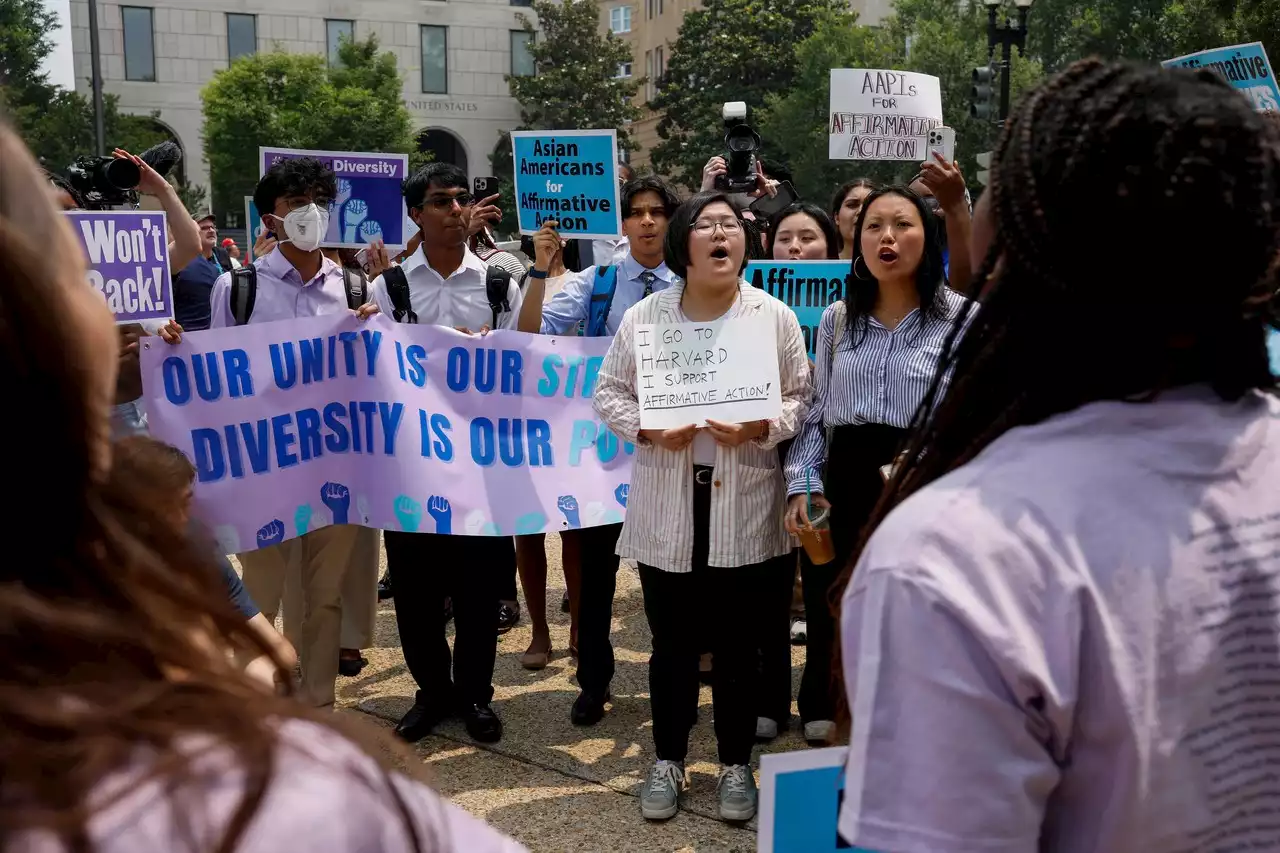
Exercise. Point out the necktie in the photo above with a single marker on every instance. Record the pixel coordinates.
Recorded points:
(648, 278)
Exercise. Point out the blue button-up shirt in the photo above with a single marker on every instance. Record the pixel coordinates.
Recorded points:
(572, 304)
(282, 294)
(191, 292)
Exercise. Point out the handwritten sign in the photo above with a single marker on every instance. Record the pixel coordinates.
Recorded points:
(725, 370)
(1244, 66)
(570, 176)
(369, 205)
(128, 256)
(882, 115)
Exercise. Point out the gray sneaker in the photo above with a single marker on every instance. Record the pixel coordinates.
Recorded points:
(737, 787)
(660, 796)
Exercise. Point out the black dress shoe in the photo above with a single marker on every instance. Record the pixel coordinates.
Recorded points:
(482, 724)
(588, 709)
(384, 587)
(350, 667)
(508, 617)
(419, 721)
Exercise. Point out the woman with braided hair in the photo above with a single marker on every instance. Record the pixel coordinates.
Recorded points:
(1061, 634)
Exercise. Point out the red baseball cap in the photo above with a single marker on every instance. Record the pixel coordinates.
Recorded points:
(228, 243)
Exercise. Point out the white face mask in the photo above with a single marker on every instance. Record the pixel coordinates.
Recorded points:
(305, 227)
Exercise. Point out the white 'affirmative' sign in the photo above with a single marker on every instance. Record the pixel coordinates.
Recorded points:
(726, 370)
(882, 115)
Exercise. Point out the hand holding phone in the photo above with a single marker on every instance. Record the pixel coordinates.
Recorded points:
(766, 207)
(942, 140)
(481, 187)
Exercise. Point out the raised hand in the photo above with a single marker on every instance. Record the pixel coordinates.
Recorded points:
(337, 498)
(302, 519)
(622, 493)
(344, 191)
(439, 509)
(370, 231)
(534, 522)
(228, 538)
(150, 182)
(271, 533)
(568, 506)
(408, 513)
(353, 213)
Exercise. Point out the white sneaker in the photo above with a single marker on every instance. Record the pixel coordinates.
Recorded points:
(766, 729)
(799, 632)
(819, 732)
(737, 789)
(660, 795)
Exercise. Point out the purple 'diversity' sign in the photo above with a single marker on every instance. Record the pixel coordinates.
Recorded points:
(369, 205)
(128, 256)
(326, 420)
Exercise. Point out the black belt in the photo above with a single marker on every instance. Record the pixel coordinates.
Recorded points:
(702, 474)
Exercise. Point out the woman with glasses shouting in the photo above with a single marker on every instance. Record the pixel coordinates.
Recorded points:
(704, 510)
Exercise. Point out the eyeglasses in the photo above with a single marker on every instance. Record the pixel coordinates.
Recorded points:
(705, 227)
(442, 202)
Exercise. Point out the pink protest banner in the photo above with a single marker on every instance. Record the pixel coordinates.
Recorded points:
(326, 420)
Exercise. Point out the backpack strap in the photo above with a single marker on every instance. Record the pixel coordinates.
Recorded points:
(497, 284)
(357, 287)
(244, 292)
(398, 290)
(606, 284)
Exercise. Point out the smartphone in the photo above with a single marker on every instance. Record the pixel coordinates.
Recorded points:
(766, 207)
(484, 187)
(943, 141)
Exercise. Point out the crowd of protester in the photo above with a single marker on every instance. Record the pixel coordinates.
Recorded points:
(1025, 498)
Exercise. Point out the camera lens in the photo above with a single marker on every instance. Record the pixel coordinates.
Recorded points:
(122, 174)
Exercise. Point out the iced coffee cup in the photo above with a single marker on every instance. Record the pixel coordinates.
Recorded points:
(816, 538)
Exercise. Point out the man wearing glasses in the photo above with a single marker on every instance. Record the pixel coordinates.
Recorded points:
(447, 286)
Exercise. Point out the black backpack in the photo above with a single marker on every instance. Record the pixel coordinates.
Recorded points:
(244, 291)
(497, 284)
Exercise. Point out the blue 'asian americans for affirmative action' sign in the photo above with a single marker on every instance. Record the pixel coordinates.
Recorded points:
(569, 176)
(1244, 66)
(128, 256)
(807, 287)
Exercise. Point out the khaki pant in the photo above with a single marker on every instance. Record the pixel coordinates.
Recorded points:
(320, 559)
(359, 595)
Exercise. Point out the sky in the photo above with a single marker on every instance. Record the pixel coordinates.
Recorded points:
(59, 64)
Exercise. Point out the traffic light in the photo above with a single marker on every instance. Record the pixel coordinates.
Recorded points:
(984, 168)
(982, 95)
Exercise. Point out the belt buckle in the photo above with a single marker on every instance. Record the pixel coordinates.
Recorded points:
(702, 476)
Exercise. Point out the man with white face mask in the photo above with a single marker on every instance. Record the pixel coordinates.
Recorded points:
(296, 280)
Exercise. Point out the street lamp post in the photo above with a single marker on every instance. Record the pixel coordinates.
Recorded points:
(1006, 37)
(95, 66)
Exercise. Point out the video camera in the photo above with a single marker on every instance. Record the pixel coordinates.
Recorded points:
(103, 182)
(741, 144)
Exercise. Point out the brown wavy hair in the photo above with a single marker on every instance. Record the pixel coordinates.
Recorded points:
(113, 627)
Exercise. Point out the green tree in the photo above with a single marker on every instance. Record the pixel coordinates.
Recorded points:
(730, 50)
(574, 85)
(947, 40)
(297, 101)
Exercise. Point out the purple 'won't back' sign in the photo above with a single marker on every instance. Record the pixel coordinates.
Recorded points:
(128, 256)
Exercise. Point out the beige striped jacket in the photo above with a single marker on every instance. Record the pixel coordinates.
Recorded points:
(748, 492)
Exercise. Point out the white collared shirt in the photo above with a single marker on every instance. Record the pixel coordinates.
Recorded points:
(457, 300)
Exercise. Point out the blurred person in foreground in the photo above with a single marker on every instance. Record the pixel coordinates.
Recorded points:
(125, 724)
(1062, 632)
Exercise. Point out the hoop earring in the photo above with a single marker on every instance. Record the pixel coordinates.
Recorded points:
(854, 269)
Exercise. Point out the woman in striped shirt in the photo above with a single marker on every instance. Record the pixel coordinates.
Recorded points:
(876, 357)
(704, 513)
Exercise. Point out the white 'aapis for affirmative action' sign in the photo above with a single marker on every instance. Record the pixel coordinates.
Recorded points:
(725, 370)
(882, 115)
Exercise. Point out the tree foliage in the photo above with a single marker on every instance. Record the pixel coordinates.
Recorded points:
(575, 85)
(298, 101)
(56, 124)
(729, 50)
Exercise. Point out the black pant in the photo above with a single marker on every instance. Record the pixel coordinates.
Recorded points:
(677, 605)
(597, 547)
(425, 569)
(507, 585)
(773, 623)
(853, 485)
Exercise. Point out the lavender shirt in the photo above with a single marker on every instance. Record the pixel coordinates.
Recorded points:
(326, 796)
(1072, 643)
(282, 294)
